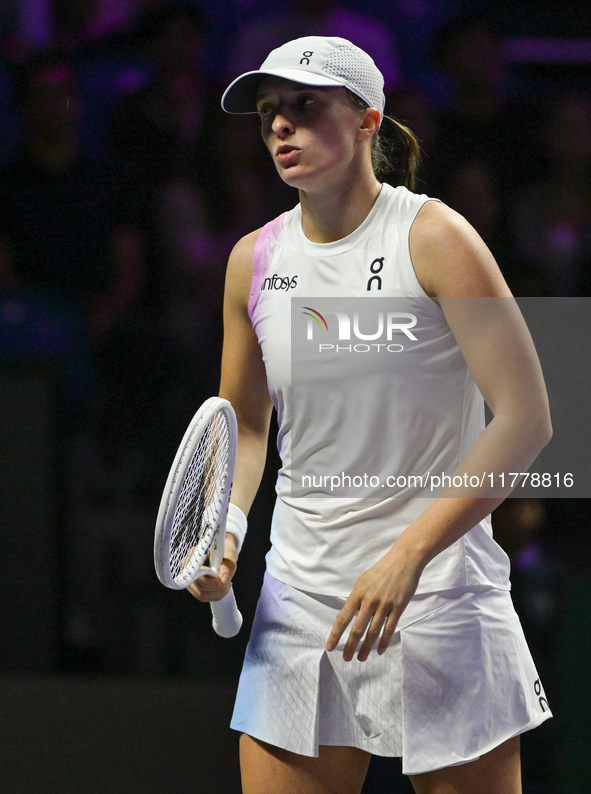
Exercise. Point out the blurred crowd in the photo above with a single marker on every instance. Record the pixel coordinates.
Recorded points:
(123, 187)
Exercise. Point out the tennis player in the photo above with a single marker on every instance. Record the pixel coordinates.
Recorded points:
(384, 626)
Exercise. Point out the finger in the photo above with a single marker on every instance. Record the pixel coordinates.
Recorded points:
(196, 591)
(343, 619)
(355, 635)
(207, 588)
(230, 547)
(227, 571)
(387, 633)
(371, 636)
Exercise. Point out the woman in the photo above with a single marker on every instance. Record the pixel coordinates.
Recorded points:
(384, 625)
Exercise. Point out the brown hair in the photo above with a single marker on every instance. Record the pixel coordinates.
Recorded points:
(395, 152)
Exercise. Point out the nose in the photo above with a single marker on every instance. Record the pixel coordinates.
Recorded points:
(282, 126)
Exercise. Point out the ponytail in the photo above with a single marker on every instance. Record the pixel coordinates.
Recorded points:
(395, 152)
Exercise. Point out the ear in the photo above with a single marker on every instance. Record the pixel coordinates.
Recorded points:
(370, 123)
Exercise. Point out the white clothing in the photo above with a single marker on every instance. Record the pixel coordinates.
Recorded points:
(454, 683)
(458, 678)
(421, 411)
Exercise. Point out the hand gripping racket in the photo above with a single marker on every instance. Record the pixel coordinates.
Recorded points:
(192, 516)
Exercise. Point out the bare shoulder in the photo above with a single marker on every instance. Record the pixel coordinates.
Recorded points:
(244, 248)
(449, 256)
(243, 377)
(239, 270)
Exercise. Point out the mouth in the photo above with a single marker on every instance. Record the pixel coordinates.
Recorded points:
(285, 154)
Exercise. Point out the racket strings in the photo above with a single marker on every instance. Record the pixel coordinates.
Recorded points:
(201, 498)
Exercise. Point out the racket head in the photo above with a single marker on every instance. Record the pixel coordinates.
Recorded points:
(196, 496)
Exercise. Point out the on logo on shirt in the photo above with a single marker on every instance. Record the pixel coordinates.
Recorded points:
(376, 267)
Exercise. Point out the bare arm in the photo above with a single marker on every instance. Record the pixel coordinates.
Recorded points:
(244, 384)
(454, 265)
(243, 380)
(499, 351)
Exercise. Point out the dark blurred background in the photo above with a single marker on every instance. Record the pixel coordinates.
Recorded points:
(123, 187)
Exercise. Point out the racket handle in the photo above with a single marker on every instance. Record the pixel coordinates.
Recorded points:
(227, 620)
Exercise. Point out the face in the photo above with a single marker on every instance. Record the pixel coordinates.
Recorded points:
(311, 132)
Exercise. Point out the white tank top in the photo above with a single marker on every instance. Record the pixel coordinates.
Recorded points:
(412, 420)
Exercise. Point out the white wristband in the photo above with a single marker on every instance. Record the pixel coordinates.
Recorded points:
(236, 524)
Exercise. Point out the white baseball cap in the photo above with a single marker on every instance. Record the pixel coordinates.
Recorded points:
(312, 60)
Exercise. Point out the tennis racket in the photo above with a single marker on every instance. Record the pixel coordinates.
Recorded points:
(191, 519)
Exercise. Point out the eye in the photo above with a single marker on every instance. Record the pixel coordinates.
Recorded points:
(265, 111)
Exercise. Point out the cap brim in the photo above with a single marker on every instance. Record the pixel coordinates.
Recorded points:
(240, 95)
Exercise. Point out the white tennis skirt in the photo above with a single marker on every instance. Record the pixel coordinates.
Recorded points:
(457, 680)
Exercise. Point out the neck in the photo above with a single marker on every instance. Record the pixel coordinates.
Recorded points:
(334, 213)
